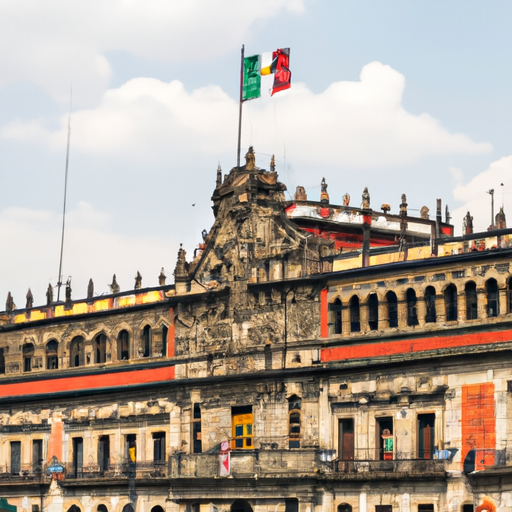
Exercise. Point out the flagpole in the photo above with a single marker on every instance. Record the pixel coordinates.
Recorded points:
(240, 108)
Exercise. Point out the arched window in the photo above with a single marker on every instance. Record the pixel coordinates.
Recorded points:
(294, 407)
(493, 299)
(128, 508)
(146, 341)
(344, 507)
(100, 349)
(355, 324)
(430, 303)
(157, 508)
(52, 358)
(373, 312)
(450, 302)
(335, 317)
(165, 333)
(392, 309)
(471, 300)
(123, 345)
(76, 352)
(28, 354)
(412, 314)
(74, 508)
(102, 508)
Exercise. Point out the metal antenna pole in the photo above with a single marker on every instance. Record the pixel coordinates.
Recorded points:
(240, 108)
(59, 283)
(492, 205)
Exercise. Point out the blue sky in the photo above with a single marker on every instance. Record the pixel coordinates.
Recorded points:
(400, 96)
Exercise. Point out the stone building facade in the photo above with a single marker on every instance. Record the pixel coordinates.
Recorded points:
(311, 357)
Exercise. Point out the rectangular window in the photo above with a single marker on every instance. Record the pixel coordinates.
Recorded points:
(425, 507)
(384, 441)
(78, 456)
(103, 453)
(15, 457)
(346, 440)
(131, 448)
(383, 508)
(159, 446)
(426, 436)
(242, 423)
(37, 455)
(197, 444)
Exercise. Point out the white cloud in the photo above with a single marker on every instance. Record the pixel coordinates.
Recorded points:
(91, 250)
(56, 43)
(357, 124)
(475, 198)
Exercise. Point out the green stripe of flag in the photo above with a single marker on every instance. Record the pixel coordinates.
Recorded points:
(251, 85)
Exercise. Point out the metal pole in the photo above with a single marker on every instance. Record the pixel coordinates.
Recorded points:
(492, 205)
(59, 284)
(240, 108)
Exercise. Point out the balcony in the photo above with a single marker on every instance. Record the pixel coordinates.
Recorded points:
(389, 469)
(23, 474)
(124, 470)
(246, 464)
(281, 463)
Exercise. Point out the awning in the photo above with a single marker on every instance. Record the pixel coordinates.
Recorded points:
(5, 507)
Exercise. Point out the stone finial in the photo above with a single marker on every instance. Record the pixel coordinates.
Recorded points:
(218, 181)
(365, 199)
(324, 196)
(403, 206)
(300, 194)
(424, 212)
(250, 160)
(272, 163)
(138, 281)
(385, 207)
(49, 294)
(447, 215)
(346, 199)
(181, 270)
(68, 291)
(90, 289)
(30, 299)
(9, 303)
(467, 224)
(501, 220)
(162, 277)
(114, 287)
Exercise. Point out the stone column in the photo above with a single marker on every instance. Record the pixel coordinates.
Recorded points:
(363, 506)
(383, 315)
(503, 301)
(440, 308)
(363, 317)
(481, 298)
(345, 319)
(405, 505)
(421, 308)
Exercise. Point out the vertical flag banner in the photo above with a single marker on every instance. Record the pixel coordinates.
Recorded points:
(251, 87)
(224, 459)
(281, 70)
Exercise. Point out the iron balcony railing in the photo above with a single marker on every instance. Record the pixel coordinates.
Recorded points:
(21, 472)
(138, 470)
(283, 462)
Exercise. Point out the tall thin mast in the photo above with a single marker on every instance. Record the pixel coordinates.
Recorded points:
(240, 108)
(59, 283)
